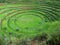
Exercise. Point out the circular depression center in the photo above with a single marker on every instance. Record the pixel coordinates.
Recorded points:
(28, 21)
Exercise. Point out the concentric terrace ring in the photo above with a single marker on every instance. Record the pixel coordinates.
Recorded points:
(21, 20)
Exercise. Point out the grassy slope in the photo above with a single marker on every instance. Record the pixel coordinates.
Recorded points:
(48, 27)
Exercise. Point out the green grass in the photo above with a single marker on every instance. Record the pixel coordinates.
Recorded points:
(27, 21)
